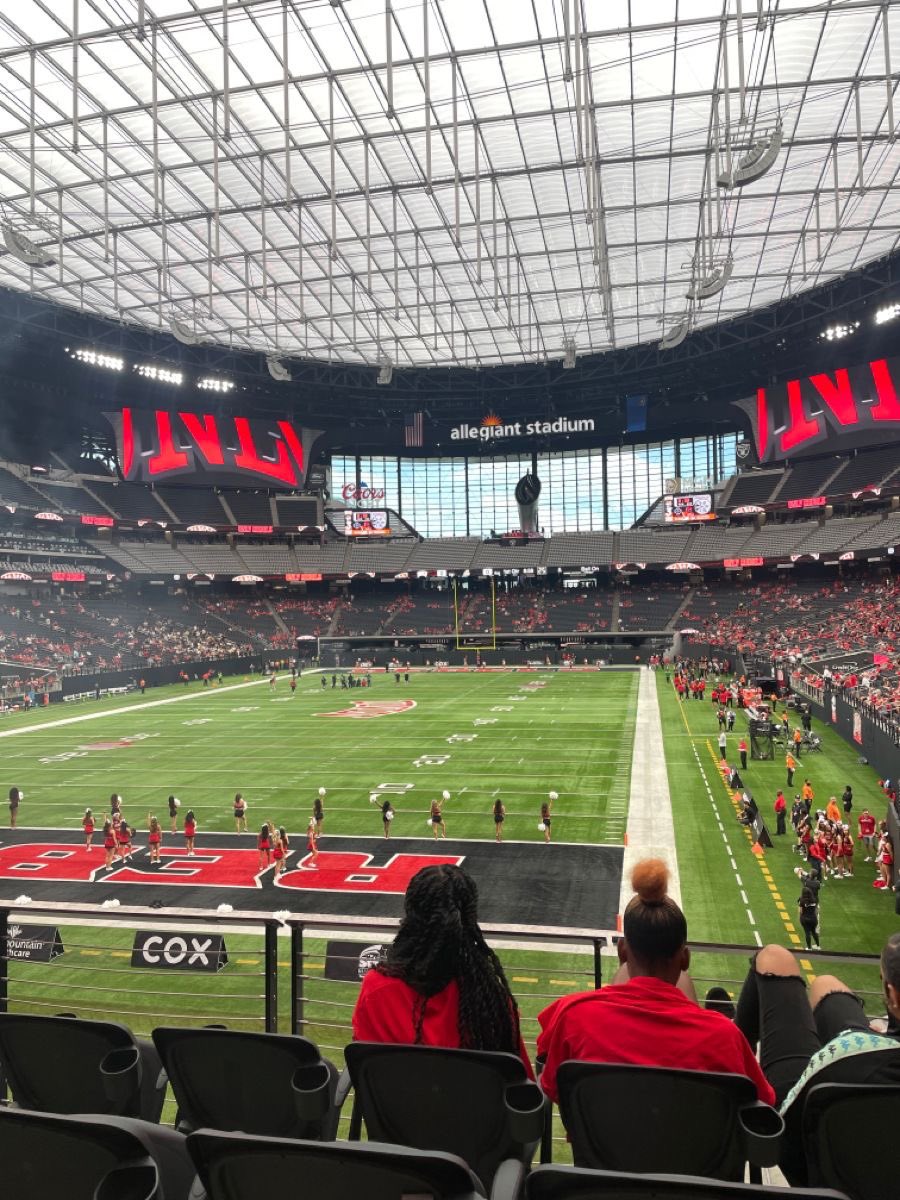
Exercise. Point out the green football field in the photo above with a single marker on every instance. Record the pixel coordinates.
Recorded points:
(478, 735)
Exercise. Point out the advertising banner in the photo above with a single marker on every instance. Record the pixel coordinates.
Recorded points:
(33, 943)
(166, 950)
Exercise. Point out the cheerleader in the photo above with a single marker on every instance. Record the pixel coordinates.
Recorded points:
(285, 840)
(264, 845)
(109, 842)
(387, 815)
(174, 803)
(319, 810)
(115, 804)
(240, 813)
(848, 845)
(499, 817)
(190, 829)
(87, 824)
(546, 809)
(312, 845)
(123, 839)
(278, 853)
(885, 860)
(154, 838)
(437, 817)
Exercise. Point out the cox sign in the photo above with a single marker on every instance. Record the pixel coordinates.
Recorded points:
(351, 492)
(170, 951)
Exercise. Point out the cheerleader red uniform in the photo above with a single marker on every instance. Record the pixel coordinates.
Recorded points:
(88, 825)
(123, 837)
(109, 842)
(190, 828)
(264, 845)
(155, 838)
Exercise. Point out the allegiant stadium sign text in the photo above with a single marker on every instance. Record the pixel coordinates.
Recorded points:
(490, 433)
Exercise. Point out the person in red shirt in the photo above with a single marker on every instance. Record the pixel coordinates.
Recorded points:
(867, 832)
(190, 830)
(439, 983)
(780, 809)
(647, 1019)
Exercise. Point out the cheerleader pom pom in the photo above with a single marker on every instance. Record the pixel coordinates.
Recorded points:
(428, 821)
(225, 908)
(110, 903)
(542, 828)
(322, 793)
(22, 900)
(373, 797)
(389, 816)
(176, 803)
(445, 795)
(553, 795)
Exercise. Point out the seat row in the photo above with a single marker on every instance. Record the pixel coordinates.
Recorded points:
(272, 1098)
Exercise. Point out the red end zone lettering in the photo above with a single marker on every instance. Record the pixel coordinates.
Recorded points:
(231, 868)
(342, 872)
(50, 861)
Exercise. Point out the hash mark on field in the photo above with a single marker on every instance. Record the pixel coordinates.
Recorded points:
(524, 979)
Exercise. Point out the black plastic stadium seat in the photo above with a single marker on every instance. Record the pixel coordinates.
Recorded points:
(45, 1156)
(70, 1065)
(661, 1121)
(263, 1083)
(848, 1132)
(476, 1104)
(576, 1183)
(234, 1166)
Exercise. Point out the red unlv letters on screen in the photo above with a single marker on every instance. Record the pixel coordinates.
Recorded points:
(839, 410)
(158, 446)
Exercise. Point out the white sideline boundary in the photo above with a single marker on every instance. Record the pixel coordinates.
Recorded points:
(206, 694)
(651, 825)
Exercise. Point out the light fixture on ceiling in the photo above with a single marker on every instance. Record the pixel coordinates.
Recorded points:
(570, 355)
(210, 384)
(712, 283)
(159, 374)
(279, 371)
(676, 334)
(23, 248)
(182, 332)
(835, 332)
(92, 358)
(386, 370)
(889, 312)
(754, 164)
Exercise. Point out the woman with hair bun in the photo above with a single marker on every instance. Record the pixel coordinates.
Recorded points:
(649, 1017)
(439, 983)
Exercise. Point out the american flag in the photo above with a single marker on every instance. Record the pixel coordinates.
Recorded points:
(414, 429)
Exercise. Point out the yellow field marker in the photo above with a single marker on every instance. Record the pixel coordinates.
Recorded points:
(566, 982)
(524, 979)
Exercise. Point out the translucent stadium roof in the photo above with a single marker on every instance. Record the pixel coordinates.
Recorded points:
(421, 182)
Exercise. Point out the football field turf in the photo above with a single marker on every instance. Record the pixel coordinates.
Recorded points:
(479, 735)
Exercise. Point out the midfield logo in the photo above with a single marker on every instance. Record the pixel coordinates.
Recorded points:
(362, 710)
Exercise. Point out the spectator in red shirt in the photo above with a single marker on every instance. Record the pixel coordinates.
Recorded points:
(647, 1019)
(439, 983)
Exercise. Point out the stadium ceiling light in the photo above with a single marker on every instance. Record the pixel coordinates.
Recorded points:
(888, 313)
(182, 332)
(570, 355)
(211, 384)
(92, 359)
(835, 332)
(676, 335)
(711, 284)
(23, 248)
(159, 374)
(278, 370)
(386, 370)
(754, 164)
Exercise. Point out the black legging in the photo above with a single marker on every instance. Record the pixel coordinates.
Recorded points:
(811, 931)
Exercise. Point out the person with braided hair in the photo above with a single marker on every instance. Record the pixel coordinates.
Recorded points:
(649, 1016)
(439, 983)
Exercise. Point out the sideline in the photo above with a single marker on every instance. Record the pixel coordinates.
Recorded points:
(130, 708)
(650, 832)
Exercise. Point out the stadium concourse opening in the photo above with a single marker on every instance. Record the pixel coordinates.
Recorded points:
(534, 888)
